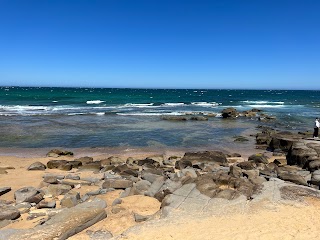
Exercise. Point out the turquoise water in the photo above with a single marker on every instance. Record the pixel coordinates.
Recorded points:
(86, 117)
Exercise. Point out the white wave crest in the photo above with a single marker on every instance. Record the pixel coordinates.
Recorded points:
(262, 102)
(205, 104)
(95, 101)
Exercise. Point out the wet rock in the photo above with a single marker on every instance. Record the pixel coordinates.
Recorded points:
(8, 212)
(37, 166)
(199, 118)
(229, 113)
(4, 190)
(57, 153)
(174, 118)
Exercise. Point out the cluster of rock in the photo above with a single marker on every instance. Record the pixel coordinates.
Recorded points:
(212, 173)
(253, 113)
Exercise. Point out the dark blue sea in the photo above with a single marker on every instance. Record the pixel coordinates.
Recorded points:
(109, 117)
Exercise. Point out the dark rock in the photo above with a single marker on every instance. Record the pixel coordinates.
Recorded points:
(57, 152)
(52, 164)
(234, 155)
(240, 139)
(45, 204)
(246, 165)
(300, 155)
(8, 212)
(199, 118)
(258, 158)
(174, 118)
(313, 165)
(4, 190)
(229, 113)
(37, 166)
(181, 164)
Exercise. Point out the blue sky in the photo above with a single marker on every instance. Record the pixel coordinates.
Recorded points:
(253, 44)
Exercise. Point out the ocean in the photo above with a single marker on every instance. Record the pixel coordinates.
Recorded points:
(38, 117)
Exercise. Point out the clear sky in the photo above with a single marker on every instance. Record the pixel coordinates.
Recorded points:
(268, 44)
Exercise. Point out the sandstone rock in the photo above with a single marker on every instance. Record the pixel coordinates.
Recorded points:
(91, 166)
(150, 177)
(70, 200)
(4, 190)
(45, 204)
(228, 194)
(313, 165)
(37, 166)
(292, 178)
(99, 235)
(73, 177)
(117, 183)
(50, 179)
(206, 156)
(84, 160)
(63, 224)
(52, 164)
(298, 192)
(258, 158)
(300, 155)
(57, 152)
(25, 194)
(8, 212)
(142, 218)
(56, 190)
(72, 183)
(155, 187)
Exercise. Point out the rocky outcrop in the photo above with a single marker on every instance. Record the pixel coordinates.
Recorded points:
(64, 224)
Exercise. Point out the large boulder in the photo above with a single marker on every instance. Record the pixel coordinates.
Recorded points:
(300, 155)
(229, 113)
(62, 225)
(8, 212)
(283, 141)
(25, 194)
(295, 178)
(37, 166)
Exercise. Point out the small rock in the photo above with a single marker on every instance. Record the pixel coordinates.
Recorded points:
(37, 166)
